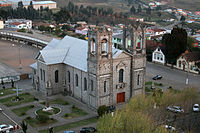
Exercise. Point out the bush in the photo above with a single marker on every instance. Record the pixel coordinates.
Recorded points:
(42, 118)
(36, 99)
(32, 106)
(102, 110)
(22, 30)
(28, 118)
(30, 32)
(23, 113)
(73, 106)
(66, 115)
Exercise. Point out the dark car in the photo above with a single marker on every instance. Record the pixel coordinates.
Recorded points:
(88, 130)
(157, 77)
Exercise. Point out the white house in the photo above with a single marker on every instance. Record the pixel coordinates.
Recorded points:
(189, 61)
(158, 56)
(19, 23)
(1, 24)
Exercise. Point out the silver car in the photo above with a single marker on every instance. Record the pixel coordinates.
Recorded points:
(176, 109)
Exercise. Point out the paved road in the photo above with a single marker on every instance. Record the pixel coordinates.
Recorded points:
(172, 77)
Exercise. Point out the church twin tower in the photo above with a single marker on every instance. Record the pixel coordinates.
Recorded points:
(114, 75)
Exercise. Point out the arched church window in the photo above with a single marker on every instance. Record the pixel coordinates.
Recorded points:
(105, 86)
(92, 44)
(121, 76)
(85, 84)
(104, 46)
(76, 79)
(68, 73)
(138, 79)
(56, 76)
(179, 63)
(139, 42)
(92, 85)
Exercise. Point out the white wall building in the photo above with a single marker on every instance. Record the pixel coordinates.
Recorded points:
(158, 56)
(19, 23)
(1, 24)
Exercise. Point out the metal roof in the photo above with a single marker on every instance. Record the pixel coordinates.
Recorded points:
(71, 51)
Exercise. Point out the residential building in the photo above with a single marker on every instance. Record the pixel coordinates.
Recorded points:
(93, 71)
(189, 61)
(158, 56)
(44, 4)
(1, 24)
(19, 23)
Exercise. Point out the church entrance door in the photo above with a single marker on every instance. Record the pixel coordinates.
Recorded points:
(121, 97)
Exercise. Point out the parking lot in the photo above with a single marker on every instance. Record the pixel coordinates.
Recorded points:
(4, 119)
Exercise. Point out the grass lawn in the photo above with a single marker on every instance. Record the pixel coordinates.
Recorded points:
(76, 112)
(71, 125)
(55, 111)
(22, 111)
(158, 84)
(26, 97)
(148, 83)
(59, 101)
(7, 91)
(34, 123)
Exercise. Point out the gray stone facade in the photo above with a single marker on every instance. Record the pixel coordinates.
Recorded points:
(113, 76)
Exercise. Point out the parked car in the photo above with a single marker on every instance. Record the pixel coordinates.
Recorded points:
(170, 128)
(195, 107)
(175, 109)
(1, 109)
(88, 130)
(4, 128)
(69, 132)
(157, 77)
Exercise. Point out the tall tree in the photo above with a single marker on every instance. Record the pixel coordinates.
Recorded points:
(175, 44)
(24, 126)
(132, 10)
(139, 9)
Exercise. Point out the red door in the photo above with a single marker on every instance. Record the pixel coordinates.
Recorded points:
(121, 97)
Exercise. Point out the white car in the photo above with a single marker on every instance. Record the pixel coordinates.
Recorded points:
(196, 107)
(170, 128)
(0, 109)
(175, 109)
(4, 128)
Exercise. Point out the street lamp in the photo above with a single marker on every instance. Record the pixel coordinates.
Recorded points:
(20, 62)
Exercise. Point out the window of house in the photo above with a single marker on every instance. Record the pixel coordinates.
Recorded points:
(92, 85)
(85, 84)
(76, 79)
(155, 56)
(68, 73)
(56, 76)
(161, 57)
(121, 75)
(179, 64)
(41, 74)
(138, 79)
(105, 86)
(44, 75)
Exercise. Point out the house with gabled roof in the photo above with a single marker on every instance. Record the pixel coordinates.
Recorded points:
(189, 61)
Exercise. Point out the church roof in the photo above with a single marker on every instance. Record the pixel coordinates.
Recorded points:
(69, 50)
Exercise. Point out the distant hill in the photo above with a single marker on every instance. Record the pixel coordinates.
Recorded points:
(121, 5)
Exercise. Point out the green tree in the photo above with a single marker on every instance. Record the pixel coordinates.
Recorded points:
(139, 9)
(102, 110)
(24, 126)
(175, 44)
(182, 18)
(132, 10)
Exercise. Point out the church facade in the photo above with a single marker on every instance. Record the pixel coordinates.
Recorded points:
(93, 71)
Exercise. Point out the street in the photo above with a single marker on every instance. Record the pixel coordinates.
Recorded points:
(171, 77)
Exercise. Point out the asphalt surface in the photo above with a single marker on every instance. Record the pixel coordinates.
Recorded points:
(172, 77)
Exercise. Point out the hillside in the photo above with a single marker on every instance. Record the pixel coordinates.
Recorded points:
(121, 5)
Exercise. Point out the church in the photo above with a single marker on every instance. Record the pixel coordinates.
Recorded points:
(93, 71)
